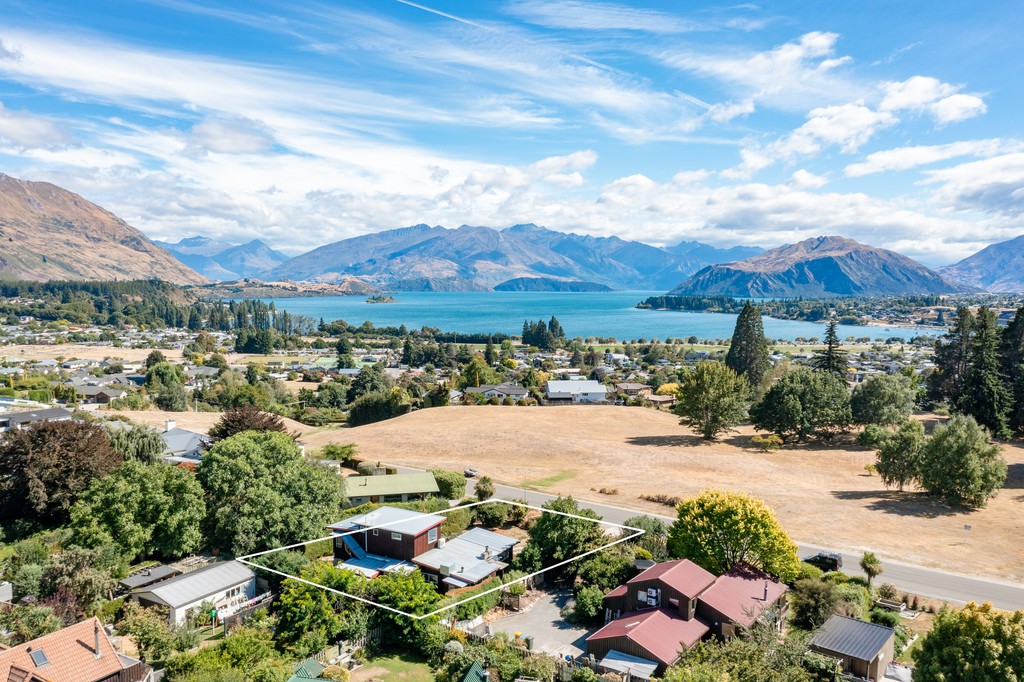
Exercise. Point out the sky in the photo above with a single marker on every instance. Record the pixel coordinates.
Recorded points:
(301, 123)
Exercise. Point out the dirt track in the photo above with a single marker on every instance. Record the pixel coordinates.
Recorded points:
(821, 493)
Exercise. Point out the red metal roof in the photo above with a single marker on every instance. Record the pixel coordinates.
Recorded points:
(682, 575)
(619, 591)
(739, 594)
(660, 632)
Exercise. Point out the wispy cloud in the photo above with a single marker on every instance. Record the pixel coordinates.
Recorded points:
(598, 16)
(905, 158)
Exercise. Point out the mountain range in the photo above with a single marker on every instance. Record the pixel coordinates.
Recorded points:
(819, 267)
(223, 262)
(998, 268)
(435, 258)
(47, 232)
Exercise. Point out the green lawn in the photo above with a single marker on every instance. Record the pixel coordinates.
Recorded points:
(397, 668)
(550, 480)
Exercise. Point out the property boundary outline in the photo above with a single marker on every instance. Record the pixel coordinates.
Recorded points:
(626, 538)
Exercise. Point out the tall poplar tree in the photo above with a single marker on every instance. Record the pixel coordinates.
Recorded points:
(748, 351)
(985, 395)
(952, 360)
(831, 358)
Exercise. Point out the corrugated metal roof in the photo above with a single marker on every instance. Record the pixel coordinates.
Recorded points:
(851, 637)
(149, 576)
(396, 484)
(660, 632)
(464, 555)
(682, 575)
(634, 665)
(403, 521)
(197, 585)
(739, 594)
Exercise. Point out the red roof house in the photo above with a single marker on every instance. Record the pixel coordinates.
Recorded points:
(656, 634)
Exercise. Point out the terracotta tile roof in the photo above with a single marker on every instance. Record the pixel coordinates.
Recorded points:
(70, 656)
(739, 594)
(682, 575)
(660, 632)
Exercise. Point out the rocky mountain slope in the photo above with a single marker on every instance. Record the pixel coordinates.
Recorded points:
(998, 268)
(47, 232)
(222, 261)
(467, 258)
(822, 266)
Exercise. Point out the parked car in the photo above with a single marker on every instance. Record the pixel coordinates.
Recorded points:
(826, 561)
(470, 473)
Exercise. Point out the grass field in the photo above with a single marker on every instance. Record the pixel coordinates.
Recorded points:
(821, 492)
(398, 668)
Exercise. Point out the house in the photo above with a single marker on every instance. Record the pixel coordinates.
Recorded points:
(100, 395)
(387, 533)
(228, 585)
(147, 577)
(309, 669)
(675, 604)
(393, 488)
(629, 389)
(469, 559)
(476, 673)
(15, 421)
(182, 445)
(78, 653)
(585, 391)
(504, 390)
(864, 649)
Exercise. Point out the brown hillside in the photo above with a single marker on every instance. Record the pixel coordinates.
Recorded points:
(47, 232)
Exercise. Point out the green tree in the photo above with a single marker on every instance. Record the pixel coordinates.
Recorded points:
(718, 530)
(762, 655)
(1011, 353)
(476, 373)
(953, 360)
(451, 485)
(813, 602)
(804, 404)
(885, 400)
(748, 350)
(974, 644)
(872, 567)
(655, 537)
(961, 465)
(560, 534)
(303, 608)
(899, 455)
(712, 399)
(985, 395)
(373, 407)
(146, 510)
(407, 592)
(155, 357)
(29, 622)
(484, 488)
(246, 418)
(262, 494)
(80, 577)
(831, 358)
(168, 383)
(46, 467)
(490, 354)
(371, 379)
(136, 443)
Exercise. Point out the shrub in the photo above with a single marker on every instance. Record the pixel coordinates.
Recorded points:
(767, 443)
(584, 674)
(659, 498)
(855, 600)
(813, 602)
(451, 485)
(538, 667)
(456, 521)
(366, 468)
(887, 591)
(335, 672)
(885, 617)
(320, 548)
(492, 515)
(837, 577)
(872, 436)
(508, 401)
(337, 451)
(809, 572)
(516, 512)
(589, 605)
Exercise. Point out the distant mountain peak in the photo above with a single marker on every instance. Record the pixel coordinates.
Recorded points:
(998, 268)
(815, 267)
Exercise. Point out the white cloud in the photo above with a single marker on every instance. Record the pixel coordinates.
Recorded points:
(804, 179)
(904, 158)
(941, 100)
(846, 125)
(993, 185)
(598, 16)
(235, 135)
(25, 129)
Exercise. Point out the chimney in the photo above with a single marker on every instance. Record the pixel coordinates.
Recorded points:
(169, 425)
(96, 634)
(766, 590)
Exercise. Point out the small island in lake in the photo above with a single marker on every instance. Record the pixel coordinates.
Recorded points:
(382, 298)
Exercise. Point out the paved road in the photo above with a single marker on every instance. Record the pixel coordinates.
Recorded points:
(544, 622)
(927, 582)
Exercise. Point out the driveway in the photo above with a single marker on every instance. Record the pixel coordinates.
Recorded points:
(544, 622)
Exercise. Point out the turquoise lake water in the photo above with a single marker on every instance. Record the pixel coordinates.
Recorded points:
(592, 314)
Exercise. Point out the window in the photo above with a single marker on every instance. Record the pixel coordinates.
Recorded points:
(375, 531)
(432, 535)
(396, 536)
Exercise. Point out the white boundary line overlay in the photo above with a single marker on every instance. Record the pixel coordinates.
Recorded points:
(626, 538)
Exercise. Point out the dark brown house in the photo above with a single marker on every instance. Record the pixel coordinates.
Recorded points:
(864, 649)
(388, 532)
(674, 585)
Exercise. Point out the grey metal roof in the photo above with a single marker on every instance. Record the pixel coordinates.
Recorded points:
(851, 637)
(36, 416)
(197, 585)
(149, 576)
(178, 440)
(405, 521)
(465, 555)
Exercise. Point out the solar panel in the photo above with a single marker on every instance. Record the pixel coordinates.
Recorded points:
(38, 657)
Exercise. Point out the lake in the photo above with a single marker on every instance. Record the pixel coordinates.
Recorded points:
(611, 314)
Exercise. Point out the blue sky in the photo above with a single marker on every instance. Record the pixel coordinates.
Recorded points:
(897, 124)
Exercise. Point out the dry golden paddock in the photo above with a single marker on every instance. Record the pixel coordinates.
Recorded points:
(821, 493)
